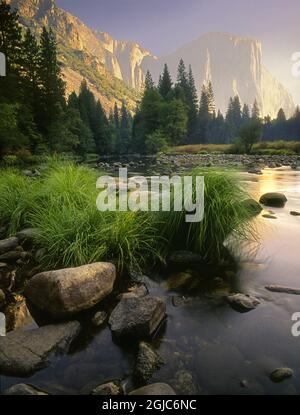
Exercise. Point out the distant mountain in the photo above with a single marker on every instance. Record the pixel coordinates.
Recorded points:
(83, 54)
(116, 69)
(234, 66)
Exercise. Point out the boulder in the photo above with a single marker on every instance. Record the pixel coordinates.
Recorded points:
(69, 291)
(13, 256)
(24, 389)
(27, 234)
(148, 361)
(154, 389)
(9, 244)
(109, 388)
(273, 199)
(242, 302)
(281, 374)
(184, 383)
(269, 216)
(99, 318)
(24, 352)
(138, 317)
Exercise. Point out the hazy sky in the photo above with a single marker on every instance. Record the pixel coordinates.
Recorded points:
(163, 25)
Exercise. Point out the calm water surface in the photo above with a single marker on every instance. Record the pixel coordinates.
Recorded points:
(208, 347)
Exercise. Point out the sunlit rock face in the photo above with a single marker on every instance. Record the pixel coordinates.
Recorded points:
(117, 68)
(234, 66)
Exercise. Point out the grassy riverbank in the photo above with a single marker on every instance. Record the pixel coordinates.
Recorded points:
(61, 205)
(264, 148)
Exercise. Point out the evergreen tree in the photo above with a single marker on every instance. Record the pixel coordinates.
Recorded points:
(255, 115)
(245, 114)
(52, 86)
(116, 117)
(192, 101)
(204, 115)
(281, 118)
(211, 99)
(149, 84)
(234, 117)
(182, 77)
(165, 83)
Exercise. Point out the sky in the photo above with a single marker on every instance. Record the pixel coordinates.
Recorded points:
(164, 25)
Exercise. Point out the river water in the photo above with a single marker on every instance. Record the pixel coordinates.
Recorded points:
(208, 347)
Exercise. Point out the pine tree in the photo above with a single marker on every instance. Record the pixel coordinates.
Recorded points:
(245, 113)
(149, 84)
(116, 117)
(204, 114)
(165, 83)
(211, 99)
(255, 111)
(234, 117)
(281, 116)
(182, 77)
(52, 85)
(192, 101)
(11, 47)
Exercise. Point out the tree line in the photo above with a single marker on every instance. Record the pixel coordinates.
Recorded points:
(37, 118)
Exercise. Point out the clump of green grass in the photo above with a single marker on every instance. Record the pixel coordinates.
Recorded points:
(19, 196)
(225, 213)
(72, 232)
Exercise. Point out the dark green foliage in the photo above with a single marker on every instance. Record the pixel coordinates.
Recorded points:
(165, 84)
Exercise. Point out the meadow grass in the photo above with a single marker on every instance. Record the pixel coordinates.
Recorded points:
(61, 204)
(280, 147)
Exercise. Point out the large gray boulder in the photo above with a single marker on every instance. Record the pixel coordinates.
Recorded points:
(24, 352)
(273, 199)
(9, 244)
(137, 317)
(69, 291)
(155, 389)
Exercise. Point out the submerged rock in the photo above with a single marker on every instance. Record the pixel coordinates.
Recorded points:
(109, 388)
(185, 257)
(136, 291)
(9, 244)
(252, 206)
(148, 361)
(138, 317)
(269, 216)
(281, 374)
(99, 318)
(282, 289)
(293, 213)
(273, 199)
(69, 291)
(24, 352)
(24, 389)
(154, 389)
(242, 302)
(185, 384)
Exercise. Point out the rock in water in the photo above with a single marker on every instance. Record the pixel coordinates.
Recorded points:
(2, 299)
(9, 244)
(293, 213)
(148, 361)
(273, 199)
(281, 289)
(69, 291)
(253, 207)
(109, 388)
(24, 352)
(99, 318)
(242, 302)
(279, 375)
(185, 257)
(138, 317)
(24, 389)
(154, 389)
